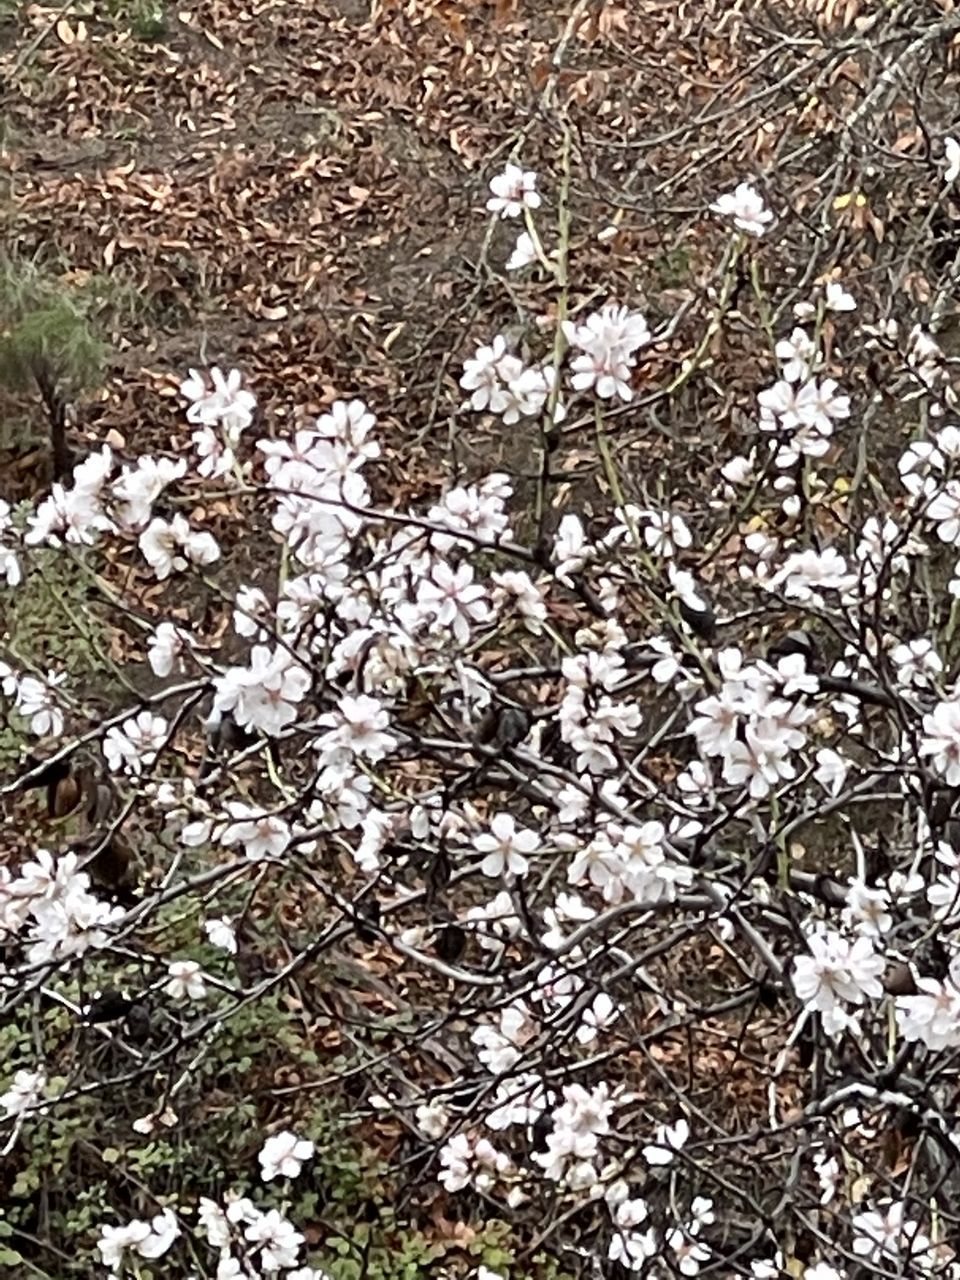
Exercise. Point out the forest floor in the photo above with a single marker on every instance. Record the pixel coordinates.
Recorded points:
(298, 190)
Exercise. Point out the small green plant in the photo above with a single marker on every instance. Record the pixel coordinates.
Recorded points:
(145, 19)
(47, 344)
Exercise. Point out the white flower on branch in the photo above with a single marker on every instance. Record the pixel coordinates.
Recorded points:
(804, 575)
(519, 1100)
(837, 971)
(942, 741)
(265, 695)
(631, 1248)
(505, 847)
(221, 934)
(608, 341)
(169, 546)
(797, 355)
(668, 1141)
(524, 253)
(831, 770)
(221, 401)
(75, 516)
(931, 1017)
(35, 700)
(469, 1160)
(746, 207)
(251, 609)
(185, 980)
(275, 1237)
(760, 761)
(357, 728)
(836, 297)
(137, 488)
(571, 550)
(919, 465)
(665, 533)
(24, 1093)
(216, 457)
(433, 1119)
(283, 1155)
(823, 1271)
(689, 1252)
(263, 835)
(597, 1017)
(808, 412)
(884, 1239)
(165, 647)
(867, 910)
(135, 743)
(483, 376)
(10, 569)
(452, 600)
(945, 510)
(114, 1242)
(917, 662)
(513, 190)
(951, 148)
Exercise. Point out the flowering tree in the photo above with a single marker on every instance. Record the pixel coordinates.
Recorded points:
(635, 824)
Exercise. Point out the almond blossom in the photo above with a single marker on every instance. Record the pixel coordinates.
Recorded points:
(221, 401)
(608, 342)
(283, 1155)
(505, 847)
(263, 835)
(185, 981)
(837, 972)
(941, 743)
(746, 207)
(513, 190)
(135, 744)
(263, 696)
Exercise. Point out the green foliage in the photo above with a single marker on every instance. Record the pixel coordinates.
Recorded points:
(48, 329)
(58, 617)
(672, 268)
(145, 19)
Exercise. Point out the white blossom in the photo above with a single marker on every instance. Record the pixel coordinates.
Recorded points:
(942, 741)
(283, 1155)
(951, 149)
(524, 253)
(608, 342)
(221, 934)
(24, 1093)
(135, 744)
(505, 847)
(185, 980)
(746, 207)
(669, 1140)
(513, 190)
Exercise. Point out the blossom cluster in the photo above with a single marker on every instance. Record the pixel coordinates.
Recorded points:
(554, 751)
(50, 906)
(250, 1241)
